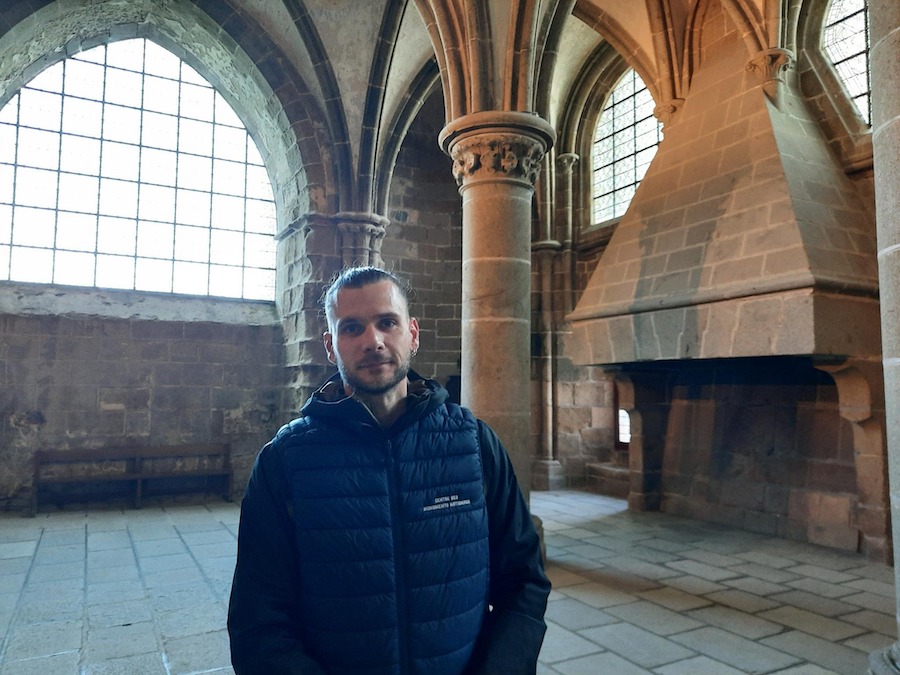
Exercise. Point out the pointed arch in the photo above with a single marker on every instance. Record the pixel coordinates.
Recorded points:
(423, 86)
(374, 105)
(343, 197)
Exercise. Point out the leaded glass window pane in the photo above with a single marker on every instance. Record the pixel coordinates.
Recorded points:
(122, 167)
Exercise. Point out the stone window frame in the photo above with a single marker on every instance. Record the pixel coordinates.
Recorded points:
(845, 130)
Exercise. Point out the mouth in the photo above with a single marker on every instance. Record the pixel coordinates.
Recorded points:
(373, 364)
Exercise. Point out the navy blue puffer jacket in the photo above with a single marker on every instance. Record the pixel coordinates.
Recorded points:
(393, 538)
(369, 551)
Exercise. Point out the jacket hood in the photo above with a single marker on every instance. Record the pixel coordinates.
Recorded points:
(330, 401)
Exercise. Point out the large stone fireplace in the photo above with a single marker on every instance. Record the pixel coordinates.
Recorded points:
(736, 305)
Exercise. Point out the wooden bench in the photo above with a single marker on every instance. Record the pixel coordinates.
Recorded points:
(132, 464)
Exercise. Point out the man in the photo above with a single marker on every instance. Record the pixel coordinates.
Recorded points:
(384, 531)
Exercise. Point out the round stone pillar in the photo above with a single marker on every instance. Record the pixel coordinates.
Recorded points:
(884, 16)
(496, 160)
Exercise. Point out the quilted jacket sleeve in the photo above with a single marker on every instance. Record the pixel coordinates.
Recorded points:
(514, 630)
(262, 615)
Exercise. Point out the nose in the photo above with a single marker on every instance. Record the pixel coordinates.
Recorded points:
(374, 338)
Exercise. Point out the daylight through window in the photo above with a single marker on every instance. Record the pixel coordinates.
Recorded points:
(846, 41)
(121, 167)
(625, 143)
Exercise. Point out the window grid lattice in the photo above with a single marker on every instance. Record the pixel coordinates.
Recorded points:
(845, 40)
(625, 142)
(121, 167)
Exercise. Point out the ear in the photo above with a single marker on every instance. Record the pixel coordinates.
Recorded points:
(414, 334)
(329, 346)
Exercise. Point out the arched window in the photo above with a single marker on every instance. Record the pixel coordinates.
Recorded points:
(625, 143)
(845, 39)
(121, 167)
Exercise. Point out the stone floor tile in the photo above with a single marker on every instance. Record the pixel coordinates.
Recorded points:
(160, 546)
(698, 665)
(597, 595)
(702, 570)
(144, 664)
(641, 568)
(876, 587)
(561, 644)
(873, 621)
(674, 599)
(165, 563)
(43, 639)
(766, 559)
(112, 557)
(57, 664)
(774, 575)
(806, 669)
(872, 601)
(739, 623)
(818, 604)
(72, 572)
(654, 618)
(574, 615)
(755, 586)
(693, 585)
(711, 558)
(824, 588)
(604, 662)
(121, 641)
(745, 602)
(589, 551)
(736, 651)
(823, 574)
(561, 577)
(869, 642)
(836, 657)
(636, 644)
(17, 549)
(48, 555)
(198, 653)
(118, 613)
(108, 539)
(814, 624)
(205, 618)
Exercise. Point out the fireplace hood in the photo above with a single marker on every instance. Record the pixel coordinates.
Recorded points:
(745, 238)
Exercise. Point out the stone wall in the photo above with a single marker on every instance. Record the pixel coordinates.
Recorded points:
(424, 240)
(88, 381)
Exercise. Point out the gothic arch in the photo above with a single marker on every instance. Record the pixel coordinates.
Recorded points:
(425, 84)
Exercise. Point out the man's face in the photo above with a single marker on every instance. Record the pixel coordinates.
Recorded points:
(371, 338)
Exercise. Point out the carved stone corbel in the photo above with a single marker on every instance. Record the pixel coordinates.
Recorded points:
(770, 66)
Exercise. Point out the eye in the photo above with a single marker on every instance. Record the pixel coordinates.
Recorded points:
(387, 323)
(351, 329)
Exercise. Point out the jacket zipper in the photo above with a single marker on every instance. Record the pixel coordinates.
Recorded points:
(399, 551)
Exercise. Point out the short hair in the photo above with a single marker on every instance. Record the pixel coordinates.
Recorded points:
(357, 277)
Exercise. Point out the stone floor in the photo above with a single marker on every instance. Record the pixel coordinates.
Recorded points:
(144, 592)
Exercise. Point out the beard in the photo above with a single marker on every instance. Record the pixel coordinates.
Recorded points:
(375, 386)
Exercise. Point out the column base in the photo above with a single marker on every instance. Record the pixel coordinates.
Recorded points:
(885, 661)
(548, 474)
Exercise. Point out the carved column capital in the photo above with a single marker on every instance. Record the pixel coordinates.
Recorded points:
(497, 145)
(770, 66)
(361, 237)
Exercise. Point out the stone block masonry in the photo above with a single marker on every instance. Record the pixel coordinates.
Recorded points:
(94, 382)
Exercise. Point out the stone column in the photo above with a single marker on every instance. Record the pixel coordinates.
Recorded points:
(496, 159)
(547, 472)
(884, 16)
(566, 163)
